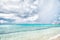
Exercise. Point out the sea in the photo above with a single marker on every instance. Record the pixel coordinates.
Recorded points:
(12, 28)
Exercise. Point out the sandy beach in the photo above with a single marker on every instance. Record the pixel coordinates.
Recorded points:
(45, 34)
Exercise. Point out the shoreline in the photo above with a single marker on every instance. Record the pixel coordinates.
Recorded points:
(45, 34)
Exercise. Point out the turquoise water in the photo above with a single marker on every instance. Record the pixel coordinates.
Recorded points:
(24, 27)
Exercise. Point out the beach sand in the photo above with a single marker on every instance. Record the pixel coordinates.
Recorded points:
(45, 34)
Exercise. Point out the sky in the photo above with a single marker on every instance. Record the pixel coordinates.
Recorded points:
(29, 11)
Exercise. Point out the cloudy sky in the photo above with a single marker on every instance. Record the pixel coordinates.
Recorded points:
(29, 11)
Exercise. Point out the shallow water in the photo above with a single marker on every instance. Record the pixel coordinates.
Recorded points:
(45, 34)
(5, 29)
(28, 31)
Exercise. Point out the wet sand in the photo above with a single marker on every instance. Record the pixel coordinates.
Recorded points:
(45, 34)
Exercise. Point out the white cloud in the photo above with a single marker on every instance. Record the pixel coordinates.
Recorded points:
(47, 10)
